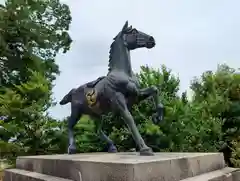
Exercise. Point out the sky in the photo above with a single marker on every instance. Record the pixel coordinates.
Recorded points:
(192, 36)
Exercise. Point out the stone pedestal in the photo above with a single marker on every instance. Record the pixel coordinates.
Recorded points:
(123, 167)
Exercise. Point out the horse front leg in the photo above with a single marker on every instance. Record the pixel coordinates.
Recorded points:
(154, 93)
(119, 104)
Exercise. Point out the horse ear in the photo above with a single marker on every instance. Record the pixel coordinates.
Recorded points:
(125, 26)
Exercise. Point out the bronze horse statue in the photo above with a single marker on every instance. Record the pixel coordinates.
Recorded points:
(116, 92)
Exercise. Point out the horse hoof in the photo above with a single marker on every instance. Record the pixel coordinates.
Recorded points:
(72, 151)
(157, 118)
(112, 149)
(146, 152)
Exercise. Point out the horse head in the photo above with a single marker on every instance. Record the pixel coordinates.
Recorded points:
(126, 40)
(134, 38)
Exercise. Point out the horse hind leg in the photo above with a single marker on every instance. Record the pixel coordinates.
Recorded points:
(72, 121)
(111, 147)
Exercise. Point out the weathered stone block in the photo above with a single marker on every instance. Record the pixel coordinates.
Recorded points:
(123, 166)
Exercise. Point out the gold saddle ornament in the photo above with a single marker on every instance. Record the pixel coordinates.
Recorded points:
(91, 96)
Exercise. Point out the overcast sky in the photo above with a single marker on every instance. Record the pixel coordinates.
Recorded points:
(192, 36)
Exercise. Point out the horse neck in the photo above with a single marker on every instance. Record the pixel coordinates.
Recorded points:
(120, 58)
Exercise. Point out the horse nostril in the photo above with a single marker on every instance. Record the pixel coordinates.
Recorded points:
(151, 39)
(150, 43)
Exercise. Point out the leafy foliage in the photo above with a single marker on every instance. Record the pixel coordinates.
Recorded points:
(32, 32)
(32, 130)
(235, 157)
(221, 93)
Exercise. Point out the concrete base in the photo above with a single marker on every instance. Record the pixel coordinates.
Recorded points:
(122, 167)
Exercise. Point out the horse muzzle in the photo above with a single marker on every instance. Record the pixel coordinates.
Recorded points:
(151, 42)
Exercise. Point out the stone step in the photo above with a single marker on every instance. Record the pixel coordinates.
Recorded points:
(123, 166)
(23, 175)
(225, 174)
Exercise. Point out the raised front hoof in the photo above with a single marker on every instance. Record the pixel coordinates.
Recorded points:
(146, 152)
(112, 149)
(72, 151)
(157, 118)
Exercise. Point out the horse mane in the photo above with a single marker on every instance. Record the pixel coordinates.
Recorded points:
(112, 46)
(110, 53)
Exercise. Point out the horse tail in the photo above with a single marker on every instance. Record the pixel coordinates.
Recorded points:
(67, 98)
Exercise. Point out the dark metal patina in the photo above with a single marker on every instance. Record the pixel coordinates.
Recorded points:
(116, 92)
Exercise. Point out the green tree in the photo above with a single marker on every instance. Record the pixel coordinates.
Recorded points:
(32, 32)
(220, 92)
(32, 129)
